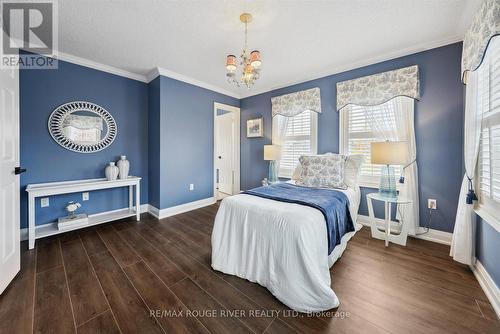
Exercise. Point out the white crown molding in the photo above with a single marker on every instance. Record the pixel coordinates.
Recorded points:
(59, 55)
(358, 64)
(320, 74)
(489, 286)
(99, 66)
(184, 78)
(153, 74)
(139, 77)
(437, 236)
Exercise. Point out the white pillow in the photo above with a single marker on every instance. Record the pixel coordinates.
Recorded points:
(352, 170)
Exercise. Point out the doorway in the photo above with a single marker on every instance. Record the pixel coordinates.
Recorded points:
(226, 150)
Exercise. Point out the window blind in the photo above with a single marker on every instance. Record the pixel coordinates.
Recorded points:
(488, 100)
(299, 139)
(367, 124)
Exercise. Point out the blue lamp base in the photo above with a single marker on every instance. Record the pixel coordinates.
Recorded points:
(387, 186)
(273, 173)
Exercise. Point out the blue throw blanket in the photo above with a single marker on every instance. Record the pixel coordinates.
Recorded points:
(333, 204)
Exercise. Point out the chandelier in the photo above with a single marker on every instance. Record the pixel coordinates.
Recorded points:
(249, 62)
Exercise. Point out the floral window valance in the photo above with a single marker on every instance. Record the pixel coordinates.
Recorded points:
(379, 88)
(485, 25)
(290, 105)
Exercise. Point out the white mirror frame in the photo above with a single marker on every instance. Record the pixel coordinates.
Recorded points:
(56, 121)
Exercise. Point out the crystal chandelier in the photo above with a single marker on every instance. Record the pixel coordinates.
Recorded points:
(250, 63)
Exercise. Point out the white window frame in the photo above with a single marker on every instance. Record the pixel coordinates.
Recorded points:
(287, 173)
(487, 208)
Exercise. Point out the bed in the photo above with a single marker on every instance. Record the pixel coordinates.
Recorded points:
(282, 246)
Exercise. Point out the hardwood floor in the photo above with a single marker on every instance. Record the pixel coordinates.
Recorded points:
(155, 277)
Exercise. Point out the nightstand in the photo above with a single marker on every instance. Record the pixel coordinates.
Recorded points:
(384, 232)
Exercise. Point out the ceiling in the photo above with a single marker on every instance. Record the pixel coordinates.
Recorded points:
(298, 40)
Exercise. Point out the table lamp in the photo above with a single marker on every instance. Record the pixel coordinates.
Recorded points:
(388, 153)
(271, 154)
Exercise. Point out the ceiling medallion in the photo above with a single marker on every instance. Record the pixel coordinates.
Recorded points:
(250, 62)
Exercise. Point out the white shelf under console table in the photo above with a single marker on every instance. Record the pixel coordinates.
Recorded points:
(68, 187)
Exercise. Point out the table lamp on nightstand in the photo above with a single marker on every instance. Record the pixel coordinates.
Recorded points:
(388, 153)
(272, 153)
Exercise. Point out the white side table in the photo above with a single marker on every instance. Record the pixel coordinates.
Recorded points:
(385, 234)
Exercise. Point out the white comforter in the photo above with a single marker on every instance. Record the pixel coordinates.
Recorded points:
(281, 246)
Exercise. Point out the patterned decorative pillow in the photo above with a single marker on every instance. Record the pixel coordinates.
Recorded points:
(322, 171)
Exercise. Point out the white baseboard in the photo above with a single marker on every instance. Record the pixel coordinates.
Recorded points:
(489, 287)
(433, 235)
(163, 213)
(153, 211)
(144, 208)
(175, 210)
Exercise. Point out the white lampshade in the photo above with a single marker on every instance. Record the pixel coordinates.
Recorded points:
(272, 152)
(389, 153)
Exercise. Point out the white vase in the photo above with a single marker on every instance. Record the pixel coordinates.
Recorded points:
(124, 166)
(111, 171)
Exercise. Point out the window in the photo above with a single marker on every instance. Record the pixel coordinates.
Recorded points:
(360, 126)
(299, 138)
(488, 102)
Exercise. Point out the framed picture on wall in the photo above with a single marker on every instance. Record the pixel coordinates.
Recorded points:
(255, 127)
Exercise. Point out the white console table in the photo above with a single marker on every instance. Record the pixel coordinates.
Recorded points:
(67, 187)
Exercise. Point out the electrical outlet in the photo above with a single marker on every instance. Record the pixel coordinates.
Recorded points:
(85, 196)
(44, 202)
(191, 187)
(432, 204)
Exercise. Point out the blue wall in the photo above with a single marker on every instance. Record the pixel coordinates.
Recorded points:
(438, 123)
(185, 139)
(41, 91)
(488, 249)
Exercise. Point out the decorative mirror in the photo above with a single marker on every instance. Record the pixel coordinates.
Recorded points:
(83, 127)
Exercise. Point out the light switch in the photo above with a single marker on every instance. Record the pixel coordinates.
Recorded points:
(44, 202)
(191, 187)
(85, 196)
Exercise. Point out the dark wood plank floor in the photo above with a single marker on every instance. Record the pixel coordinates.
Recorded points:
(155, 277)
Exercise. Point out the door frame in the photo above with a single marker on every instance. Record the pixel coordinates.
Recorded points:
(236, 146)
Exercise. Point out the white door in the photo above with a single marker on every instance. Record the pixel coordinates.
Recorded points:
(224, 153)
(9, 181)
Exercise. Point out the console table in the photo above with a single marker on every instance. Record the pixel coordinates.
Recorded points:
(67, 187)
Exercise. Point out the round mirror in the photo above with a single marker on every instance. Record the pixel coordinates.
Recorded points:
(83, 127)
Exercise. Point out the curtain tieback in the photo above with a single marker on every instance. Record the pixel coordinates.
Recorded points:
(471, 195)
